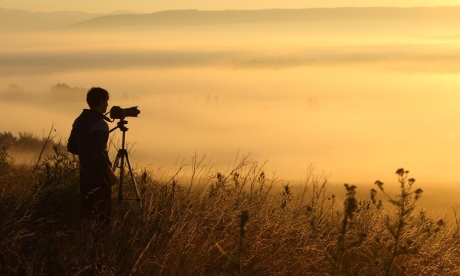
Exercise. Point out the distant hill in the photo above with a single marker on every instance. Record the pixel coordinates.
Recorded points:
(125, 12)
(26, 20)
(446, 16)
(329, 19)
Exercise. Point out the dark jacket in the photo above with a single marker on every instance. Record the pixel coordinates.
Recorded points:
(88, 139)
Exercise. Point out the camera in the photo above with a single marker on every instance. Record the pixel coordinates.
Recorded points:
(117, 112)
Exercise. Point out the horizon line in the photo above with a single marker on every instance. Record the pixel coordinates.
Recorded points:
(219, 10)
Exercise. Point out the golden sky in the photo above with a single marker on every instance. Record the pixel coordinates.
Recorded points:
(153, 6)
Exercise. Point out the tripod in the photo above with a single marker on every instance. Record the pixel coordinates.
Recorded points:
(120, 163)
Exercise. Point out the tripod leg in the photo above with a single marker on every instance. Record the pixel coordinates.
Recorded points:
(134, 180)
(122, 153)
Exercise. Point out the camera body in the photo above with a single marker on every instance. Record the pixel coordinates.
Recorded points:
(117, 112)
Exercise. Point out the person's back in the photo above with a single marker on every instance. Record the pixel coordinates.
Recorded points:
(92, 133)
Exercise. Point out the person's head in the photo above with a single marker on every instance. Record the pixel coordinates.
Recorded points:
(98, 99)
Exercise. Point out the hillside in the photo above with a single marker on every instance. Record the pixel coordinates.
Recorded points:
(21, 20)
(338, 19)
(438, 16)
(16, 20)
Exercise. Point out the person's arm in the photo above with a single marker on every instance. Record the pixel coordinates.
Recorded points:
(98, 149)
(99, 157)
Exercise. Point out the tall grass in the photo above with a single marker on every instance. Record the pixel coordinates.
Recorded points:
(207, 222)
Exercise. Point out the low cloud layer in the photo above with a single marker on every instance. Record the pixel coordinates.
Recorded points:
(359, 107)
(407, 57)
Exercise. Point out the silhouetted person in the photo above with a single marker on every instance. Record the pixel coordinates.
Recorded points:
(88, 139)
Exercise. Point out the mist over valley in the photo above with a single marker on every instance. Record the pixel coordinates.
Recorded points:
(357, 92)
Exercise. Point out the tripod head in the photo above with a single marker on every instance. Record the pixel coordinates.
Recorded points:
(121, 125)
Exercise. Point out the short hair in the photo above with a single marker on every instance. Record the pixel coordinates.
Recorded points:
(96, 95)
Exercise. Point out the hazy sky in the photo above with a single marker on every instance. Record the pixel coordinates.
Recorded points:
(153, 6)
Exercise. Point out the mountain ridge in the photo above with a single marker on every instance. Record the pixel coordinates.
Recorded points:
(11, 19)
(23, 20)
(226, 17)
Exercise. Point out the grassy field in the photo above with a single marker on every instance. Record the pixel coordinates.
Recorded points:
(237, 222)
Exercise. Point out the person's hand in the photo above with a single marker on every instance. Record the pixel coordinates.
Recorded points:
(112, 179)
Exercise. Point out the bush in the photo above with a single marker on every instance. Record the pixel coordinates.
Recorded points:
(5, 158)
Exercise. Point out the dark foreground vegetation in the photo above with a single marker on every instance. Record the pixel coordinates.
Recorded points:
(239, 222)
